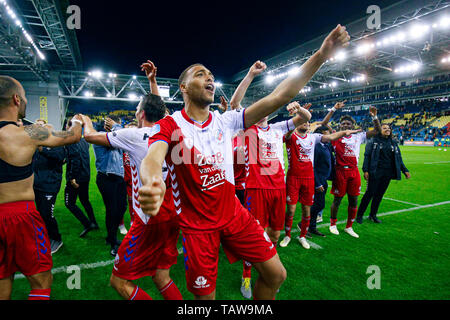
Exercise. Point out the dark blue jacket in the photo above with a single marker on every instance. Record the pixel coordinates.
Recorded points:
(372, 156)
(323, 164)
(78, 162)
(47, 168)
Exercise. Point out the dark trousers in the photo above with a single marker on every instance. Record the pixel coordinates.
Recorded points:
(376, 188)
(114, 193)
(319, 205)
(71, 194)
(45, 204)
(241, 196)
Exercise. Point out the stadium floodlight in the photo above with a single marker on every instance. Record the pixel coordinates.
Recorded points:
(446, 60)
(364, 48)
(109, 95)
(134, 77)
(408, 68)
(218, 84)
(97, 74)
(133, 96)
(270, 79)
(418, 30)
(333, 84)
(444, 22)
(340, 56)
(88, 94)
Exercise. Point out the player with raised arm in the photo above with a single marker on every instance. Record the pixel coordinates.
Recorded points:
(150, 246)
(300, 145)
(265, 189)
(197, 147)
(24, 242)
(348, 179)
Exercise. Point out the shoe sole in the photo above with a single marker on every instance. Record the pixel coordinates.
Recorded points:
(357, 236)
(56, 250)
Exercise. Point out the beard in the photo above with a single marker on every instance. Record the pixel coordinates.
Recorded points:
(22, 109)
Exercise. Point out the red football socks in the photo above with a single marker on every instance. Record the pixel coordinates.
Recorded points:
(39, 294)
(139, 294)
(333, 222)
(351, 216)
(304, 226)
(170, 292)
(288, 224)
(247, 270)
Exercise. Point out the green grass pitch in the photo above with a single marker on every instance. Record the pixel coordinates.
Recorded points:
(411, 247)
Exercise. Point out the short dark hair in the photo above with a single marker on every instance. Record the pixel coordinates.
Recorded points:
(185, 71)
(154, 107)
(8, 86)
(349, 118)
(321, 129)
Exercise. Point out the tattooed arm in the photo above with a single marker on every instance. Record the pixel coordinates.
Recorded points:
(42, 136)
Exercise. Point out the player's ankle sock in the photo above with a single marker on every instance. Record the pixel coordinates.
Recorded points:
(333, 222)
(170, 291)
(304, 226)
(351, 216)
(139, 294)
(39, 294)
(288, 224)
(247, 270)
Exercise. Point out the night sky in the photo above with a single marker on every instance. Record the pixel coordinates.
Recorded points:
(226, 36)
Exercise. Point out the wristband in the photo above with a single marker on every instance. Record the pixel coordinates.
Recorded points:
(76, 120)
(333, 109)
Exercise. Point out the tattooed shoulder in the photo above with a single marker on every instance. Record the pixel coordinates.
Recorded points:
(37, 132)
(62, 134)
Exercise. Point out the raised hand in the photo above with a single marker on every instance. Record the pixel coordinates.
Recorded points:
(372, 111)
(86, 120)
(150, 70)
(257, 68)
(340, 104)
(223, 104)
(337, 39)
(293, 108)
(152, 196)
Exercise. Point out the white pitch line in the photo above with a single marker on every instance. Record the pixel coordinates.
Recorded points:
(438, 162)
(82, 266)
(394, 212)
(312, 244)
(410, 203)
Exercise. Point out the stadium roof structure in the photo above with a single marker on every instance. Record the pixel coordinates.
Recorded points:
(34, 39)
(413, 41)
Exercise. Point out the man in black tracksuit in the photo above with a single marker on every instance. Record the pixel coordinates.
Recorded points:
(47, 168)
(323, 169)
(78, 174)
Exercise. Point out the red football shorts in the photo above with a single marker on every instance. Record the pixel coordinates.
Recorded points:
(24, 242)
(268, 206)
(346, 181)
(299, 190)
(242, 238)
(146, 248)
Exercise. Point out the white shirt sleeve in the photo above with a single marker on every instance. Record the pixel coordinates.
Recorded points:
(284, 126)
(362, 137)
(122, 139)
(233, 120)
(317, 137)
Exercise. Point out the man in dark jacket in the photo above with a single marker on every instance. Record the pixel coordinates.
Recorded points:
(78, 174)
(323, 168)
(382, 163)
(47, 168)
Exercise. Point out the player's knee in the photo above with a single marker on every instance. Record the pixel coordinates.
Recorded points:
(117, 283)
(161, 280)
(279, 277)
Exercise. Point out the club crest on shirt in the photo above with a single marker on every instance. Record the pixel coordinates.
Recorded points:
(219, 136)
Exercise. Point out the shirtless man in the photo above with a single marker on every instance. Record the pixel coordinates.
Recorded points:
(24, 243)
